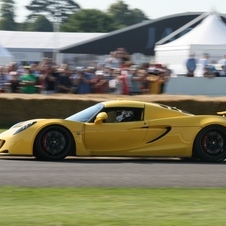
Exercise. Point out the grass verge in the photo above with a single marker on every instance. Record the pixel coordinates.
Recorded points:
(3, 128)
(112, 207)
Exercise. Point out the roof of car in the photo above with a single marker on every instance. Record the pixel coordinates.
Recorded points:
(124, 103)
(153, 110)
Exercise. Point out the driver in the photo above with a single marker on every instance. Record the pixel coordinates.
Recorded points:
(123, 115)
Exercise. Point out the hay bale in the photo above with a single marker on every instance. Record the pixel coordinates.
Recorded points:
(19, 107)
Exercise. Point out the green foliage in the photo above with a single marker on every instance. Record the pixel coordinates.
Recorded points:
(71, 17)
(123, 16)
(92, 20)
(42, 24)
(55, 10)
(89, 20)
(7, 21)
(25, 26)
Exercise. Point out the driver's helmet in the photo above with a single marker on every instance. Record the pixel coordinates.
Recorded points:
(123, 114)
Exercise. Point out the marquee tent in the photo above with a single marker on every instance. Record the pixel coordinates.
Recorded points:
(5, 56)
(209, 36)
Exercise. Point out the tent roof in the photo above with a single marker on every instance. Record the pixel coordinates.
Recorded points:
(43, 40)
(211, 31)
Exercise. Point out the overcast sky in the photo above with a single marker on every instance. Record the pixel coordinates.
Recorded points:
(152, 8)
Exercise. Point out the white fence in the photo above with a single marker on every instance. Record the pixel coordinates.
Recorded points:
(196, 86)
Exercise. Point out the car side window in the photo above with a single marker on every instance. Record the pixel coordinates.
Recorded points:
(116, 115)
(111, 117)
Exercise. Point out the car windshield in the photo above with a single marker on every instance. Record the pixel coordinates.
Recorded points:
(87, 114)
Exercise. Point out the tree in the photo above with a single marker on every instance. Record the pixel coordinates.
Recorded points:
(42, 24)
(124, 16)
(55, 10)
(89, 20)
(7, 16)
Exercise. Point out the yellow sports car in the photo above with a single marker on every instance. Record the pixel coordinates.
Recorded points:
(120, 128)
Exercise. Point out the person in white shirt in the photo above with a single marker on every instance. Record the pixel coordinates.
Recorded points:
(204, 62)
(222, 61)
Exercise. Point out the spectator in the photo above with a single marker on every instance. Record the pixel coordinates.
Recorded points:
(34, 70)
(222, 72)
(108, 61)
(145, 84)
(83, 81)
(49, 80)
(116, 84)
(222, 63)
(28, 81)
(99, 83)
(42, 75)
(124, 57)
(14, 82)
(168, 71)
(108, 76)
(191, 65)
(164, 75)
(64, 82)
(3, 78)
(204, 62)
(212, 72)
(116, 60)
(125, 81)
(144, 66)
(135, 81)
(156, 78)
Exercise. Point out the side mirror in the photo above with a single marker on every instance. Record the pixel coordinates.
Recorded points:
(100, 117)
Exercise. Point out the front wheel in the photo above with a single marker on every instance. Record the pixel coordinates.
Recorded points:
(53, 143)
(210, 144)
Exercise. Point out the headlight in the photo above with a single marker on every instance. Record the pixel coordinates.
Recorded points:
(24, 127)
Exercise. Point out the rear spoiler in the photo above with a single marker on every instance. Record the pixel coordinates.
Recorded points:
(223, 113)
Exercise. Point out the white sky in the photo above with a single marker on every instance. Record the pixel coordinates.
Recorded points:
(152, 8)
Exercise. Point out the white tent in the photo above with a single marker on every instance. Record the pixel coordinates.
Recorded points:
(207, 37)
(5, 56)
(32, 46)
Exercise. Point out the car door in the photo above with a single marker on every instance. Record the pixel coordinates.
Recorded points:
(114, 139)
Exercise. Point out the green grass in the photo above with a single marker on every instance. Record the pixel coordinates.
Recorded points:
(1, 130)
(112, 207)
(4, 127)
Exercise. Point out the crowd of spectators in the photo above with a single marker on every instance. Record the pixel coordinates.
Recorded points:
(116, 75)
(205, 66)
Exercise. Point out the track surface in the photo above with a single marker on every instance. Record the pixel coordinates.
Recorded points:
(74, 172)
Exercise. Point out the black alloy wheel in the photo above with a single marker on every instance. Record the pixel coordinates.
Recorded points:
(210, 144)
(53, 143)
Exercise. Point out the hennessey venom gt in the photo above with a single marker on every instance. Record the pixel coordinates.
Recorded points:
(120, 128)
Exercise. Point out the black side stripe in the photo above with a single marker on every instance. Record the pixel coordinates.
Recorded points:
(157, 138)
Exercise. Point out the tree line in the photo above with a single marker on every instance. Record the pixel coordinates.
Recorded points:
(68, 16)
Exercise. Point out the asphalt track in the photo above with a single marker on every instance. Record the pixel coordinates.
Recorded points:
(105, 172)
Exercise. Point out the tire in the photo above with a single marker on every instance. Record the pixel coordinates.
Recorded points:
(210, 144)
(53, 143)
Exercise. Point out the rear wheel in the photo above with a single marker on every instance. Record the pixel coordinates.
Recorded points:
(210, 144)
(53, 143)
